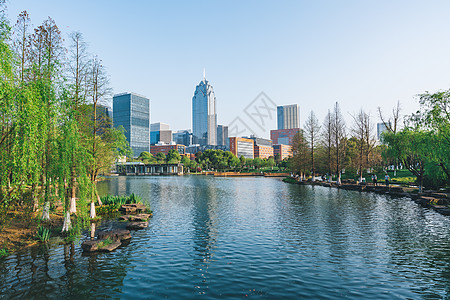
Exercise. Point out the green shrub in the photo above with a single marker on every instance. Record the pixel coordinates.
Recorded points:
(74, 233)
(108, 209)
(3, 252)
(403, 180)
(43, 234)
(290, 180)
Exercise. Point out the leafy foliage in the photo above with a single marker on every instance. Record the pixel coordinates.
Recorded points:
(43, 234)
(121, 200)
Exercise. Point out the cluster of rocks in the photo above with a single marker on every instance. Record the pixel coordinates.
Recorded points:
(437, 201)
(107, 241)
(135, 215)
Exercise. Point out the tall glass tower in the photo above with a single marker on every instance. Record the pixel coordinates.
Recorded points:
(132, 111)
(204, 117)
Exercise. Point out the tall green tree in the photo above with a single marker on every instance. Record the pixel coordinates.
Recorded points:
(312, 129)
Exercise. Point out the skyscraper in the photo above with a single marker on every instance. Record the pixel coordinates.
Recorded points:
(288, 116)
(204, 117)
(132, 111)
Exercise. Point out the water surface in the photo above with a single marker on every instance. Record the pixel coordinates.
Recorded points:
(260, 237)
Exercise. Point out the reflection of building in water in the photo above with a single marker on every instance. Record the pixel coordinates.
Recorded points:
(205, 225)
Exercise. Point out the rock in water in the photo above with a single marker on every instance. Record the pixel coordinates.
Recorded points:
(132, 208)
(137, 225)
(116, 234)
(99, 245)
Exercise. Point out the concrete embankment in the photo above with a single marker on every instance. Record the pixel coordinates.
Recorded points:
(238, 174)
(440, 202)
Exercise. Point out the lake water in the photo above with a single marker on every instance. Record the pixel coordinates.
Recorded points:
(256, 237)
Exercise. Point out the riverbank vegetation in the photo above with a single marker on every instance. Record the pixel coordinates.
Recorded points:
(55, 136)
(217, 160)
(414, 149)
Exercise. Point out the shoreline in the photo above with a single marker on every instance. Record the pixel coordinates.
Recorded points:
(439, 202)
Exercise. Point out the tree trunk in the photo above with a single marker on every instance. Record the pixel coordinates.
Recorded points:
(99, 201)
(46, 211)
(92, 231)
(92, 212)
(67, 223)
(73, 205)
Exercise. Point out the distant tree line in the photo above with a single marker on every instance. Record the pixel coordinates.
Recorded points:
(54, 141)
(218, 160)
(421, 144)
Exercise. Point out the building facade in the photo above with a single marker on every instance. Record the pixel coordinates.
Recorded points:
(155, 149)
(132, 111)
(262, 147)
(283, 136)
(288, 116)
(204, 117)
(160, 132)
(182, 137)
(242, 147)
(284, 151)
(222, 135)
(381, 127)
(263, 151)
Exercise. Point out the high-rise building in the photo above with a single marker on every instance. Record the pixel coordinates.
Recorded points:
(222, 135)
(204, 117)
(283, 136)
(288, 116)
(132, 111)
(159, 132)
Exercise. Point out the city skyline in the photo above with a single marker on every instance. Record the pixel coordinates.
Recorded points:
(311, 54)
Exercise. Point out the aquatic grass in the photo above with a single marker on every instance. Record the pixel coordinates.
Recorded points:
(43, 234)
(105, 242)
(121, 200)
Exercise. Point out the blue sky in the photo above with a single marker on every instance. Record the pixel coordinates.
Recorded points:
(363, 54)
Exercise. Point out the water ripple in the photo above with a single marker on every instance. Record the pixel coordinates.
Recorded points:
(232, 238)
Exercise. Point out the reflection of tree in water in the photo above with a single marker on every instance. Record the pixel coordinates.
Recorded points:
(418, 245)
(205, 232)
(62, 272)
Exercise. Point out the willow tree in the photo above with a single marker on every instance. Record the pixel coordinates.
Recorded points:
(104, 143)
(7, 113)
(21, 42)
(410, 146)
(78, 77)
(47, 49)
(434, 116)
